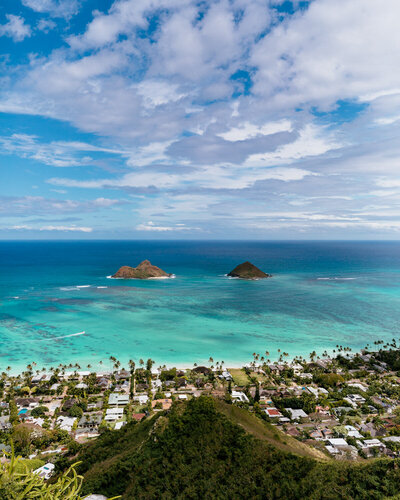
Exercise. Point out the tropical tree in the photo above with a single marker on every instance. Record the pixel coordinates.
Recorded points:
(17, 483)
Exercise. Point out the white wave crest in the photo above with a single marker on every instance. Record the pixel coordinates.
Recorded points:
(66, 336)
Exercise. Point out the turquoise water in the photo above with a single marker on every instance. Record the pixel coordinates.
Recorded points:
(321, 294)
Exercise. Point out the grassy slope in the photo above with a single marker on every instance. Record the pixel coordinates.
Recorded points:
(199, 451)
(267, 432)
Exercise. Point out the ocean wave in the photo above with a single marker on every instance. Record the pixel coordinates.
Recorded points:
(336, 278)
(162, 277)
(173, 276)
(65, 336)
(102, 287)
(83, 286)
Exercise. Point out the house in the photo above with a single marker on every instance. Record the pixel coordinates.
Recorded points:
(343, 448)
(116, 399)
(119, 425)
(372, 430)
(297, 368)
(98, 405)
(322, 410)
(373, 443)
(122, 375)
(165, 403)
(138, 416)
(90, 421)
(103, 383)
(226, 375)
(27, 402)
(81, 385)
(45, 471)
(327, 433)
(65, 423)
(5, 448)
(296, 414)
(142, 399)
(54, 405)
(273, 412)
(5, 424)
(113, 414)
(392, 439)
(332, 450)
(317, 391)
(354, 400)
(337, 442)
(239, 396)
(317, 434)
(68, 404)
(353, 432)
(292, 431)
(358, 385)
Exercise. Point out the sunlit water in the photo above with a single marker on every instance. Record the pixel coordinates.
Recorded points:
(321, 294)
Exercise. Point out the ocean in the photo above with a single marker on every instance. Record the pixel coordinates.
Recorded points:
(322, 294)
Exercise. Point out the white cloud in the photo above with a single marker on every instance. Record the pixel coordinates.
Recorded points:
(55, 153)
(26, 227)
(213, 109)
(335, 50)
(155, 93)
(46, 25)
(15, 28)
(312, 141)
(249, 130)
(151, 226)
(56, 8)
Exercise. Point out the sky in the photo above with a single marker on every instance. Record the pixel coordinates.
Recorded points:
(183, 119)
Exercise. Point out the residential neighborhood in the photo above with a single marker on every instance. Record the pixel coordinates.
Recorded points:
(347, 406)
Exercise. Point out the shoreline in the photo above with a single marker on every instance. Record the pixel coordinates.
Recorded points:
(106, 365)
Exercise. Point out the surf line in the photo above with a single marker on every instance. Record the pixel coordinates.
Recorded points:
(64, 336)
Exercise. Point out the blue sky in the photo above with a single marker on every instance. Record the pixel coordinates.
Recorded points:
(249, 119)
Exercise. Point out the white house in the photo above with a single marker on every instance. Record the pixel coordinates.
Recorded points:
(65, 423)
(116, 399)
(113, 414)
(141, 398)
(240, 396)
(45, 471)
(296, 414)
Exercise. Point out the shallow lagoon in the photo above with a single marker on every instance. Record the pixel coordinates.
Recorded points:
(321, 294)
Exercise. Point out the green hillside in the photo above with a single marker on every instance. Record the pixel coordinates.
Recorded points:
(203, 449)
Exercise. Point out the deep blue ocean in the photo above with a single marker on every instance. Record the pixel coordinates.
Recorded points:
(321, 294)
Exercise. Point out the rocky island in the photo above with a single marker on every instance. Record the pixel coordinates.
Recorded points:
(145, 270)
(248, 271)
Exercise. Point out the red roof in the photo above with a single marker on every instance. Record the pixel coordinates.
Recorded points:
(272, 412)
(138, 416)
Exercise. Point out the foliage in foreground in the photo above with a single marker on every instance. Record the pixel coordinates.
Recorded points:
(197, 452)
(18, 483)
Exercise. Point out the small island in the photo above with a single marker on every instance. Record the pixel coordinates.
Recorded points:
(248, 271)
(145, 270)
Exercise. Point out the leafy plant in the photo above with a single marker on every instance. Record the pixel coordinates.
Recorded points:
(18, 483)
